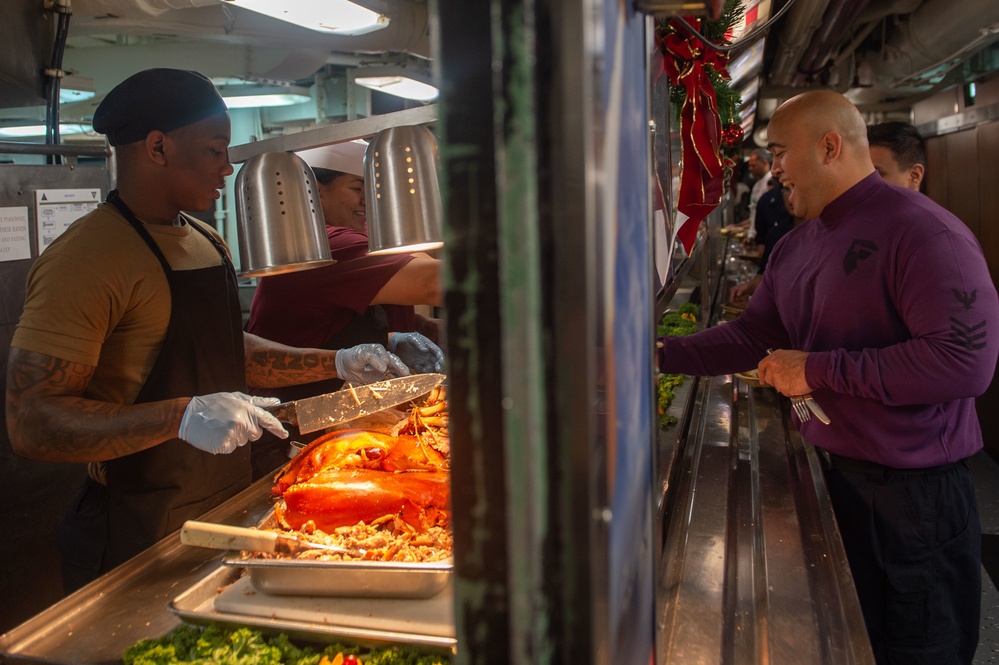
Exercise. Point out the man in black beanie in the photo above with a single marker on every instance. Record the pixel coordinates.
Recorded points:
(162, 99)
(133, 310)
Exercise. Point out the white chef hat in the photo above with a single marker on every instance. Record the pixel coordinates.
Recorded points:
(345, 157)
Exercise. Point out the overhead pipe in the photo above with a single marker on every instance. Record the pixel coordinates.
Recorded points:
(54, 73)
(835, 27)
(134, 8)
(937, 33)
(879, 9)
(920, 51)
(803, 20)
(840, 73)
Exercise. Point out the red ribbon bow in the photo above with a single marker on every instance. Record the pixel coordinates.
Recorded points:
(701, 172)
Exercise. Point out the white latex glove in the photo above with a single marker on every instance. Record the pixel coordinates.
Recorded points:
(221, 422)
(366, 363)
(418, 352)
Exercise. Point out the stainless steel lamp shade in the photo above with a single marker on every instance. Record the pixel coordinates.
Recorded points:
(278, 216)
(402, 197)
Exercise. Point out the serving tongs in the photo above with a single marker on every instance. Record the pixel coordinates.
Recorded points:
(226, 537)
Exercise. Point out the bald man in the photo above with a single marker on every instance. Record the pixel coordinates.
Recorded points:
(880, 306)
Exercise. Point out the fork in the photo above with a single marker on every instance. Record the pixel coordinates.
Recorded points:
(799, 406)
(798, 403)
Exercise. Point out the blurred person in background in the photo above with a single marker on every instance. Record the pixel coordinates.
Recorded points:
(758, 165)
(774, 220)
(898, 153)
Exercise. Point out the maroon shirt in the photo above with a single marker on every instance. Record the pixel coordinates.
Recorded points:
(308, 307)
(891, 296)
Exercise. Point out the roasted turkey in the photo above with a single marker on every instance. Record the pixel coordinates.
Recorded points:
(352, 476)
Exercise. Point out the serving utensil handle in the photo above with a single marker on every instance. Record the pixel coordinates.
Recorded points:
(285, 412)
(226, 537)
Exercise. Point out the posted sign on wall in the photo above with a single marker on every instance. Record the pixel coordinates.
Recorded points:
(56, 209)
(14, 242)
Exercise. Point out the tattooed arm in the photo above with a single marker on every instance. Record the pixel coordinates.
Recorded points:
(49, 419)
(273, 365)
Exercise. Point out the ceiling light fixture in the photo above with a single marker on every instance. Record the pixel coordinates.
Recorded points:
(338, 17)
(31, 131)
(257, 96)
(398, 80)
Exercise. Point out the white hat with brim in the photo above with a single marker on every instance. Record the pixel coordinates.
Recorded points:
(344, 157)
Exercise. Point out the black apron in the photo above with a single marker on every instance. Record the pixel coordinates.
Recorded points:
(151, 493)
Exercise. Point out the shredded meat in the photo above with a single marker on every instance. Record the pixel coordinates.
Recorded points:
(387, 538)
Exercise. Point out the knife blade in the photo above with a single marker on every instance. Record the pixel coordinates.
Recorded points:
(226, 537)
(816, 409)
(316, 413)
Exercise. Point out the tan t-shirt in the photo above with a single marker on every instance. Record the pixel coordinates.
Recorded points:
(98, 296)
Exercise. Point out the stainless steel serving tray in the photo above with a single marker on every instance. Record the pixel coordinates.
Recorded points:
(225, 596)
(367, 579)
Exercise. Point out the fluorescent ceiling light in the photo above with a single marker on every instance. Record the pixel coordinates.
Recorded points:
(400, 86)
(398, 80)
(339, 17)
(255, 96)
(28, 131)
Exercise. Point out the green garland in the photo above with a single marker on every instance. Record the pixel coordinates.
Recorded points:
(728, 98)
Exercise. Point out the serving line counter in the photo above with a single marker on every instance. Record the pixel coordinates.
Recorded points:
(751, 571)
(751, 567)
(97, 623)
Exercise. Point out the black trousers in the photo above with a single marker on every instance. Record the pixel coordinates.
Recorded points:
(913, 540)
(82, 537)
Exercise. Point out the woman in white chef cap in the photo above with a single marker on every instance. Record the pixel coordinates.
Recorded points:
(360, 298)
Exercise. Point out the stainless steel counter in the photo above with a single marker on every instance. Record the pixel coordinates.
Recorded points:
(97, 623)
(753, 568)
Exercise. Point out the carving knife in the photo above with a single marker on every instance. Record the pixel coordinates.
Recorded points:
(316, 413)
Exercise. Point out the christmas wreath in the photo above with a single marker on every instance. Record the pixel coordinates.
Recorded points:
(706, 107)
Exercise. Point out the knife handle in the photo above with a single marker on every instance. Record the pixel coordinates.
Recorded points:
(226, 537)
(285, 412)
(816, 409)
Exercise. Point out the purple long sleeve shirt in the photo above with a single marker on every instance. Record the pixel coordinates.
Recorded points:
(891, 296)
